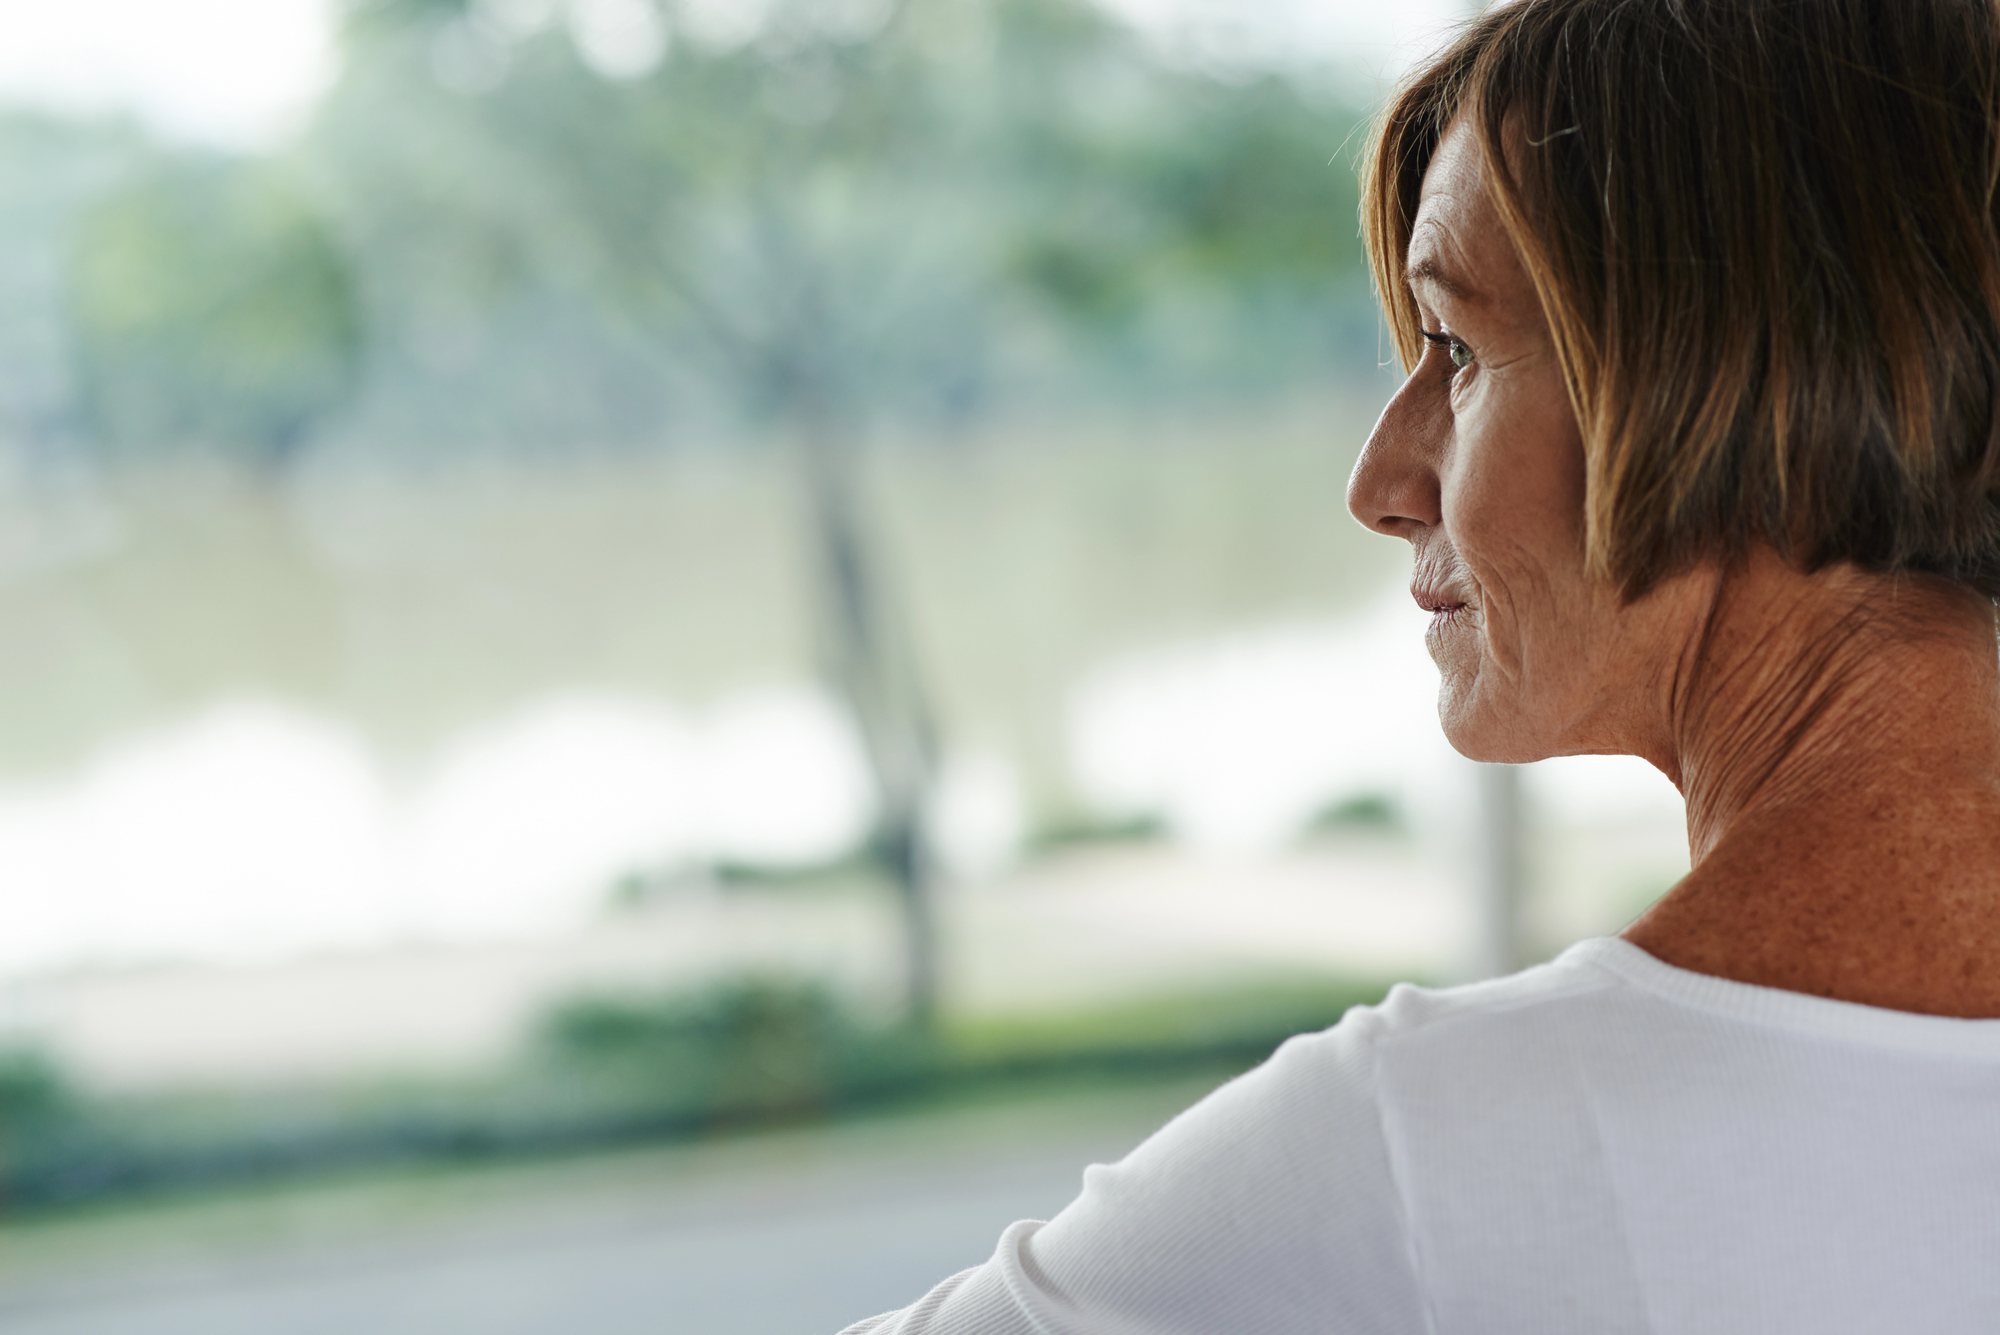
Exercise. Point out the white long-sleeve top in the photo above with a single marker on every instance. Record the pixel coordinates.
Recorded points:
(1601, 1144)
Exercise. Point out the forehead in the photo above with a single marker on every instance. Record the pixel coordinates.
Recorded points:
(1456, 178)
(1457, 237)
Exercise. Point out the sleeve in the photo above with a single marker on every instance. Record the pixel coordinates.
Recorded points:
(1269, 1208)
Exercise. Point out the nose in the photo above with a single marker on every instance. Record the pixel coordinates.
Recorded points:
(1395, 488)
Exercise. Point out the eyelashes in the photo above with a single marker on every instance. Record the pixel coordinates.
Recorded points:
(1454, 348)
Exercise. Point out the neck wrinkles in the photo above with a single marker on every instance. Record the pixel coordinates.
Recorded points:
(1803, 692)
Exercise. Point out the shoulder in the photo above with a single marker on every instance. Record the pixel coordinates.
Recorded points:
(1479, 1038)
(1279, 1194)
(1499, 1029)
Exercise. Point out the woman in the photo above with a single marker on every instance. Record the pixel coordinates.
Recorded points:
(1699, 457)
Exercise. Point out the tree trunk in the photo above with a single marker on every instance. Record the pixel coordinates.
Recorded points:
(873, 667)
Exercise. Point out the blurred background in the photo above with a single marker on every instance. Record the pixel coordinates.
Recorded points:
(659, 659)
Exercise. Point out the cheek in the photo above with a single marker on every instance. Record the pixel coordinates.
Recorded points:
(1513, 502)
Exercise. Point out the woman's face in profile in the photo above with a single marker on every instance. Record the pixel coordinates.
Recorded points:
(1478, 461)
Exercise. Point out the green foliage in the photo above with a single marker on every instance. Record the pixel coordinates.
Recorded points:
(1142, 829)
(211, 307)
(1220, 189)
(1369, 811)
(32, 1095)
(607, 1068)
(763, 1047)
(922, 208)
(1242, 1023)
(966, 200)
(744, 1047)
(38, 1117)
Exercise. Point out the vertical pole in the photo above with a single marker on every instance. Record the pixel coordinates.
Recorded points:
(1502, 874)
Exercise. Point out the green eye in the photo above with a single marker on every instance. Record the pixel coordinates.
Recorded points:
(1461, 356)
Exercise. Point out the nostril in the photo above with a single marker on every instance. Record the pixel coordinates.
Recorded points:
(1394, 489)
(1392, 492)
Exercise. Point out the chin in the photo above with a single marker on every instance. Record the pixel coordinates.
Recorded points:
(1474, 746)
(1480, 730)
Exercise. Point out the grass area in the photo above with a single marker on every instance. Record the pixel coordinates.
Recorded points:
(700, 1176)
(626, 1070)
(1234, 1023)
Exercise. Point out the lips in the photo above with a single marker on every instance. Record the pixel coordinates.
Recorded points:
(1439, 582)
(1438, 600)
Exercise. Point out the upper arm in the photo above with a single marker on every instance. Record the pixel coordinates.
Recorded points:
(1268, 1207)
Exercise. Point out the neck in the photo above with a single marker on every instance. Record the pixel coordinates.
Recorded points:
(1837, 738)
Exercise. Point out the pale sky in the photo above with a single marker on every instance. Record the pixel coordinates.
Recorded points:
(239, 72)
(1378, 38)
(227, 71)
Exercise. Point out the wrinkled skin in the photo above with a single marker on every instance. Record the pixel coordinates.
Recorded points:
(1481, 468)
(1836, 733)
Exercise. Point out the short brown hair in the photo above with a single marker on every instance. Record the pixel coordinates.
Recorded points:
(1764, 236)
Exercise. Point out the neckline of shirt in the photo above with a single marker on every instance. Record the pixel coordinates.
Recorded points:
(1849, 1021)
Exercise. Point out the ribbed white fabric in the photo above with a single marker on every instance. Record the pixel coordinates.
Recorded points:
(1602, 1144)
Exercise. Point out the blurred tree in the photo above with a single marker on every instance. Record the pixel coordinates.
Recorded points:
(51, 170)
(1139, 190)
(211, 307)
(975, 199)
(843, 209)
(756, 208)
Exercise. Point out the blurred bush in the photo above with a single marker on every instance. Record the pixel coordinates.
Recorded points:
(33, 1102)
(603, 1069)
(748, 1048)
(49, 1143)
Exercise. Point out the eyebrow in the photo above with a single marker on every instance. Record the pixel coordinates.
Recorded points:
(1429, 270)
